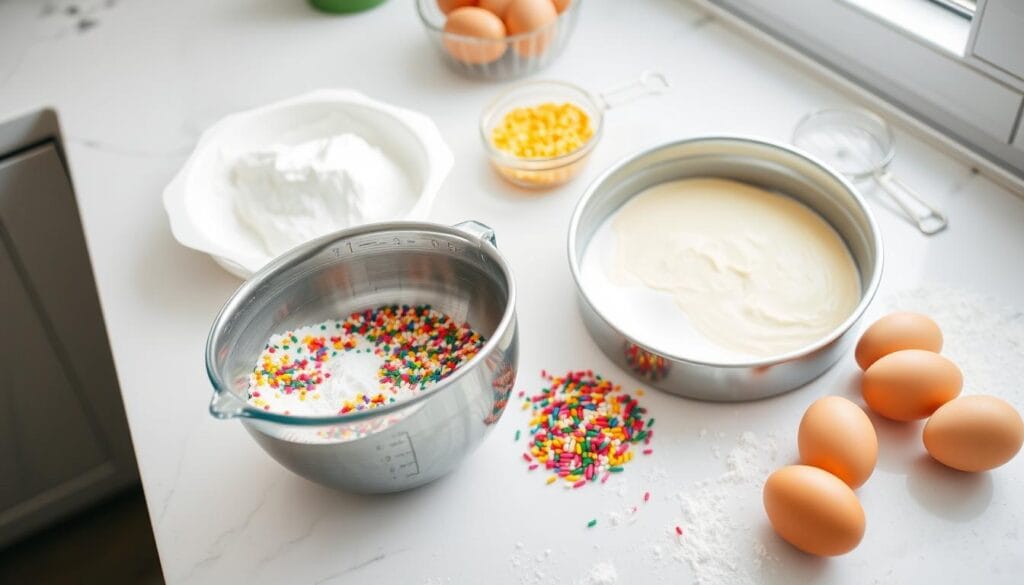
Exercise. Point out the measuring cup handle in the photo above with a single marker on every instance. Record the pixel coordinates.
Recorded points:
(479, 230)
(931, 222)
(649, 83)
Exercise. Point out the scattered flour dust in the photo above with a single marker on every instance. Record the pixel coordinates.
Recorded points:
(981, 334)
(602, 574)
(530, 567)
(718, 542)
(717, 517)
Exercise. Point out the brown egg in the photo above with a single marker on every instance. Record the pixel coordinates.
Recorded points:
(475, 22)
(447, 6)
(894, 332)
(498, 7)
(561, 5)
(910, 384)
(974, 433)
(836, 435)
(813, 510)
(529, 16)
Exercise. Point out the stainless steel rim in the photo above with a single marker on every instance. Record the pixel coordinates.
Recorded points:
(866, 297)
(315, 247)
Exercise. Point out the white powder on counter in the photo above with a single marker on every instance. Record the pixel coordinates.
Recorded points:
(981, 335)
(603, 574)
(529, 568)
(288, 195)
(718, 516)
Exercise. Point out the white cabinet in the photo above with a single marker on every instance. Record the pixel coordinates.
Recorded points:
(64, 441)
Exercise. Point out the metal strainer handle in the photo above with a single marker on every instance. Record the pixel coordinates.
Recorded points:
(649, 83)
(931, 222)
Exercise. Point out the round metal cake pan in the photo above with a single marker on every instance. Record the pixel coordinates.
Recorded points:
(761, 163)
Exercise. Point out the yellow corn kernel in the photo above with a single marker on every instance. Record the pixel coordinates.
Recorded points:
(546, 130)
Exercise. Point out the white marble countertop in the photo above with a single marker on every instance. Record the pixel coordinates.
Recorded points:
(135, 81)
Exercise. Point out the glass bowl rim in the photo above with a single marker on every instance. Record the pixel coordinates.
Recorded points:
(573, 7)
(502, 157)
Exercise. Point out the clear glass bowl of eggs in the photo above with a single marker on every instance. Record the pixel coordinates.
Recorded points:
(539, 134)
(498, 39)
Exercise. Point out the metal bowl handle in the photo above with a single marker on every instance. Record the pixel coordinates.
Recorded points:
(478, 230)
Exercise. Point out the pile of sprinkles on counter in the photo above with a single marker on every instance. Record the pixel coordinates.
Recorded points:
(582, 428)
(409, 348)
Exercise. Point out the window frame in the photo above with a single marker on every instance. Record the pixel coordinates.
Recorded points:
(962, 99)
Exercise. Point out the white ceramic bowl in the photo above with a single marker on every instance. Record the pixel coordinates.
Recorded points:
(199, 200)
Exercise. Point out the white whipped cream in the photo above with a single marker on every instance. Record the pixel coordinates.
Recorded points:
(290, 194)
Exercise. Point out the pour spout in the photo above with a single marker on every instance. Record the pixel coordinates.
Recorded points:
(225, 405)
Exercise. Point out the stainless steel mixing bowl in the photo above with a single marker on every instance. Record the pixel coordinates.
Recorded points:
(457, 270)
(771, 166)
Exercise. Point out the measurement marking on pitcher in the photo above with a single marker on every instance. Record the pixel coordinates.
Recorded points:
(400, 456)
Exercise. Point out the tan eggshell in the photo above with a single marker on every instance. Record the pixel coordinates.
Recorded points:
(974, 433)
(813, 510)
(894, 332)
(498, 7)
(527, 16)
(910, 384)
(475, 22)
(448, 6)
(561, 5)
(836, 435)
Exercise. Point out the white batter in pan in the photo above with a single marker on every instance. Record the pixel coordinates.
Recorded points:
(720, 270)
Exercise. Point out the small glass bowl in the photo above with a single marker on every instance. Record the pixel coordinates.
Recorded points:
(540, 173)
(521, 54)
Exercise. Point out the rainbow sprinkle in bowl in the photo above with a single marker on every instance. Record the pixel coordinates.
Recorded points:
(393, 445)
